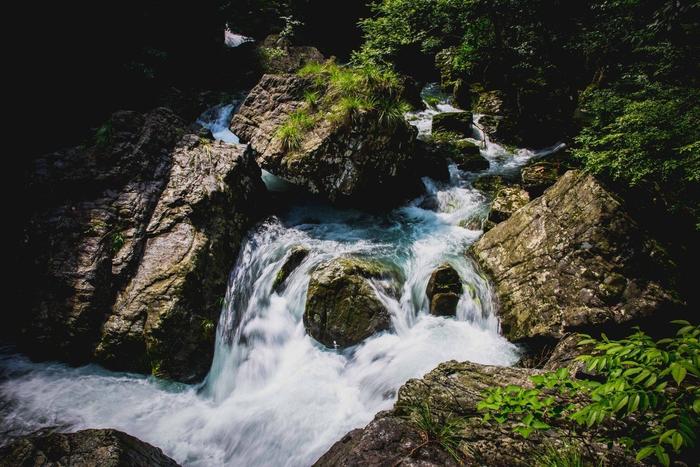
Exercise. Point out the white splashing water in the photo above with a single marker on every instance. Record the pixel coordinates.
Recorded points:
(231, 39)
(274, 396)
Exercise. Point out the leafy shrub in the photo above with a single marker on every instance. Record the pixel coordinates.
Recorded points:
(649, 136)
(651, 385)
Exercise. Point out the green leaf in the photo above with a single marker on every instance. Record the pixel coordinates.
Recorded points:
(645, 452)
(678, 372)
(621, 403)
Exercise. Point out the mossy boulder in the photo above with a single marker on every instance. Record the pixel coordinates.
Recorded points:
(454, 389)
(295, 257)
(444, 290)
(342, 308)
(575, 259)
(489, 184)
(462, 151)
(106, 448)
(453, 122)
(508, 200)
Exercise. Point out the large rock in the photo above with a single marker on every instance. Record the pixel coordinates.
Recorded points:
(454, 389)
(574, 259)
(104, 448)
(444, 290)
(342, 307)
(356, 161)
(131, 245)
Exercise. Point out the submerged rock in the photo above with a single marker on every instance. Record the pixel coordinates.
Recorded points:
(508, 200)
(444, 290)
(104, 448)
(358, 160)
(296, 256)
(342, 308)
(395, 438)
(574, 259)
(453, 122)
(461, 151)
(131, 245)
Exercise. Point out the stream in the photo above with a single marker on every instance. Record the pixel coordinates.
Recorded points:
(274, 396)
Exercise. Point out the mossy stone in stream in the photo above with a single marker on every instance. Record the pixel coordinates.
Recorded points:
(463, 152)
(342, 308)
(456, 122)
(444, 290)
(296, 256)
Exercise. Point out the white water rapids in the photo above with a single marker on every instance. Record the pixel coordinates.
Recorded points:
(274, 396)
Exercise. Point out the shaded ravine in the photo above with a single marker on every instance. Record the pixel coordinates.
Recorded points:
(274, 396)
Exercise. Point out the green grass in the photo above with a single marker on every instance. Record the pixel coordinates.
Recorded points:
(349, 91)
(291, 133)
(563, 456)
(442, 430)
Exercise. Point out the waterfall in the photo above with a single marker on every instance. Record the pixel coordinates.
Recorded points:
(274, 396)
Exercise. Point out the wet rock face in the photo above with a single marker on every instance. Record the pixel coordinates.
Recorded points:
(444, 290)
(342, 308)
(453, 122)
(358, 161)
(106, 448)
(295, 257)
(133, 241)
(574, 259)
(392, 438)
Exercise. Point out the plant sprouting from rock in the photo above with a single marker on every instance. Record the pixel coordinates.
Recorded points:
(440, 429)
(650, 385)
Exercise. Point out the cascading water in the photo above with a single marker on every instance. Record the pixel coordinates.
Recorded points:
(274, 396)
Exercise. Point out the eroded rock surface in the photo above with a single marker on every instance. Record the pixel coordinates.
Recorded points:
(342, 307)
(104, 448)
(574, 259)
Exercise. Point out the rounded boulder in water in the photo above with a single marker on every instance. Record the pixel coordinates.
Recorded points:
(444, 290)
(342, 307)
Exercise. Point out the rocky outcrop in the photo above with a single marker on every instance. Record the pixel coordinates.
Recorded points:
(295, 257)
(453, 390)
(444, 290)
(342, 307)
(453, 122)
(574, 259)
(508, 200)
(358, 160)
(131, 245)
(106, 448)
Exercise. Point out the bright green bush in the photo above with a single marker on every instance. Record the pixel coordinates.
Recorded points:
(651, 385)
